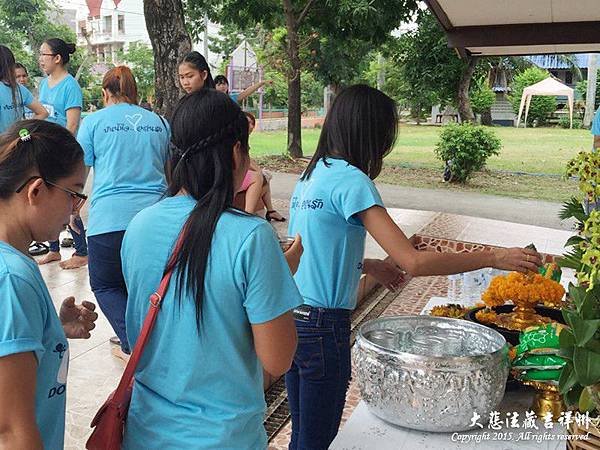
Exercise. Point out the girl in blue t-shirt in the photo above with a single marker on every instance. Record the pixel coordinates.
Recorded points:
(62, 97)
(14, 97)
(127, 146)
(333, 206)
(227, 312)
(41, 179)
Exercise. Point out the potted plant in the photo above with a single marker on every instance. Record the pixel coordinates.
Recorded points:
(580, 343)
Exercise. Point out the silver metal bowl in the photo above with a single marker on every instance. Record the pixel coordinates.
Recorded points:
(430, 373)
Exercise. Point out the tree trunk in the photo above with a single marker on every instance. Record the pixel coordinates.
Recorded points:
(170, 42)
(486, 117)
(464, 105)
(294, 143)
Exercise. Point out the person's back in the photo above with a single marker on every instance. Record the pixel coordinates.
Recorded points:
(226, 314)
(127, 147)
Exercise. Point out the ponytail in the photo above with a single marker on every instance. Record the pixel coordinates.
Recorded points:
(120, 82)
(206, 126)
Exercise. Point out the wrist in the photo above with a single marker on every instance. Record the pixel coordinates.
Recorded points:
(494, 258)
(367, 265)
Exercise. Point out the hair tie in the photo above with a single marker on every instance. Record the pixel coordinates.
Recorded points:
(24, 135)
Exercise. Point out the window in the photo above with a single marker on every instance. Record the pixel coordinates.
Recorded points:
(107, 24)
(568, 77)
(121, 24)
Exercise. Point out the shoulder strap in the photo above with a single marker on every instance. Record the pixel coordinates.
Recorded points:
(155, 301)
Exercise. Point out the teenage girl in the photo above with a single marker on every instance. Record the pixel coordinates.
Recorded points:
(194, 73)
(333, 206)
(127, 146)
(222, 84)
(14, 97)
(41, 179)
(62, 97)
(224, 316)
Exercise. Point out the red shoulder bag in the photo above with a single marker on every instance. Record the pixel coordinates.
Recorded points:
(109, 422)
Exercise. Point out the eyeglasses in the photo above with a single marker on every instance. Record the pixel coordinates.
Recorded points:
(47, 54)
(78, 199)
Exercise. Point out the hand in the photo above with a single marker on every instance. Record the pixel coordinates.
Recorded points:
(517, 259)
(77, 320)
(72, 224)
(387, 274)
(293, 254)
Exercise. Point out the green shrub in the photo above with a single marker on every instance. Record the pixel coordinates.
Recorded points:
(467, 147)
(541, 106)
(482, 97)
(565, 123)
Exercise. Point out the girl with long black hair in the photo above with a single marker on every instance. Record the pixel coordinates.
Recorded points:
(333, 206)
(14, 97)
(228, 310)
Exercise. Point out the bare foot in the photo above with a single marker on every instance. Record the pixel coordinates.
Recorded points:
(118, 353)
(74, 262)
(49, 257)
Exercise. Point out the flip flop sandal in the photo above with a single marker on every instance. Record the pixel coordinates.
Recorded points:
(269, 216)
(38, 249)
(66, 242)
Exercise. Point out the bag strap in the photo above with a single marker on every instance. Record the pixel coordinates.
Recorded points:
(155, 301)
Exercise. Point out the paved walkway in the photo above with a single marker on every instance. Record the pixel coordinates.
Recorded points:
(529, 212)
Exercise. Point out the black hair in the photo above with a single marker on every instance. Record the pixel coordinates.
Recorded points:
(198, 62)
(360, 127)
(18, 65)
(221, 79)
(205, 127)
(7, 76)
(60, 47)
(51, 151)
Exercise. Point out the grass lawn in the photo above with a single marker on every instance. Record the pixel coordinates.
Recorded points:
(533, 150)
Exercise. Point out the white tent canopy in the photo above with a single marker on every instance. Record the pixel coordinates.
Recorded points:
(549, 86)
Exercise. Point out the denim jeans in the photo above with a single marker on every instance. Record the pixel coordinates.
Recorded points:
(319, 378)
(107, 282)
(79, 242)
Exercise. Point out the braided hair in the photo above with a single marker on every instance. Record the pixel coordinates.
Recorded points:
(206, 125)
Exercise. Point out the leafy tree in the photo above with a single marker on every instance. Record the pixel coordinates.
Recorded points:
(367, 20)
(431, 72)
(482, 96)
(541, 106)
(139, 58)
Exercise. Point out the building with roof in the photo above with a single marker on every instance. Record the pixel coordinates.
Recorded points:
(561, 68)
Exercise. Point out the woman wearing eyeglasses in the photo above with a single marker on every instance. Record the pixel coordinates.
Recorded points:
(41, 178)
(61, 95)
(127, 146)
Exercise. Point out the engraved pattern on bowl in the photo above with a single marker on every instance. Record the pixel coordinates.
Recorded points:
(430, 373)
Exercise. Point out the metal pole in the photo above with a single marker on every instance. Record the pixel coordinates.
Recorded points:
(590, 96)
(206, 36)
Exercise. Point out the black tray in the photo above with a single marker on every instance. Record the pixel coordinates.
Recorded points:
(511, 336)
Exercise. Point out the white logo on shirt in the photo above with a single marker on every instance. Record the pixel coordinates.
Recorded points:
(134, 120)
(50, 109)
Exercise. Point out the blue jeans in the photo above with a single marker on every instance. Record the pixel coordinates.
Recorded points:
(107, 282)
(319, 377)
(79, 242)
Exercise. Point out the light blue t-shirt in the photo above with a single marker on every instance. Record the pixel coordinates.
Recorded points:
(202, 389)
(60, 98)
(596, 124)
(29, 323)
(9, 112)
(234, 96)
(127, 146)
(323, 211)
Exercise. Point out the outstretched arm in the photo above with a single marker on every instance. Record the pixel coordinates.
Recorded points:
(252, 89)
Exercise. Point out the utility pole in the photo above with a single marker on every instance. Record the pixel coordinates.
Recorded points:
(206, 36)
(590, 96)
(380, 72)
